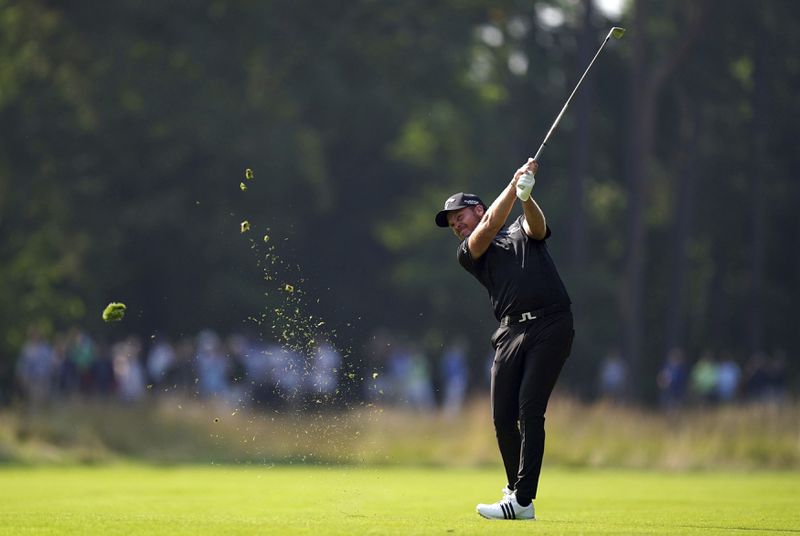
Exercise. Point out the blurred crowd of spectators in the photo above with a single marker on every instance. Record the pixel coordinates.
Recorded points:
(239, 370)
(708, 380)
(245, 371)
(403, 374)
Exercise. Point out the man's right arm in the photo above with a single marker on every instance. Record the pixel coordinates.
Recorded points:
(496, 215)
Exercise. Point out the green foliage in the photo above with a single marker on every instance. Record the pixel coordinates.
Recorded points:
(126, 128)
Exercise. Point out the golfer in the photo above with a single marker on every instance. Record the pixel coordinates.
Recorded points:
(535, 333)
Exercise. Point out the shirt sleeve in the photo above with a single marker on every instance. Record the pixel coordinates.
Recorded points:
(465, 257)
(522, 230)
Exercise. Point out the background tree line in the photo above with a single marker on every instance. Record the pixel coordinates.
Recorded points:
(125, 129)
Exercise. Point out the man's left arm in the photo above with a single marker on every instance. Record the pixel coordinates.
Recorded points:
(535, 224)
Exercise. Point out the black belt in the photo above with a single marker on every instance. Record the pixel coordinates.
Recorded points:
(527, 316)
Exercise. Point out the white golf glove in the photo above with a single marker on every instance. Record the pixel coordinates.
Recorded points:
(524, 186)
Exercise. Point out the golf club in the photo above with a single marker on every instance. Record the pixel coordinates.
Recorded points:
(524, 190)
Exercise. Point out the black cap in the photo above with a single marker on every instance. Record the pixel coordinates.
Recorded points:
(457, 202)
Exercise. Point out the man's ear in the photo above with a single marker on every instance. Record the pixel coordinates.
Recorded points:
(480, 211)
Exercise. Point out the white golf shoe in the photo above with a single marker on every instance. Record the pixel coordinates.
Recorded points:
(506, 508)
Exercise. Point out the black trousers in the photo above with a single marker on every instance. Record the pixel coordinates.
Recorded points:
(528, 359)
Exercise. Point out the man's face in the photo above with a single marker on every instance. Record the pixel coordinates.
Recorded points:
(463, 221)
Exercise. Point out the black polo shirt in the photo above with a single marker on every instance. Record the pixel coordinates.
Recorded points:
(518, 272)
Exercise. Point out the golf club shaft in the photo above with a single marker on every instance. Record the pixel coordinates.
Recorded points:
(566, 104)
(616, 32)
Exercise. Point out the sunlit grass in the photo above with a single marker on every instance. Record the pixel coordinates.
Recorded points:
(135, 499)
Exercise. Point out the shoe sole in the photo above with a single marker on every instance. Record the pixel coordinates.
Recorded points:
(498, 519)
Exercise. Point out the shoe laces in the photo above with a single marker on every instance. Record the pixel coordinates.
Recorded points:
(507, 499)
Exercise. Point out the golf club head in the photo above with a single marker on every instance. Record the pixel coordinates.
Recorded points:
(616, 32)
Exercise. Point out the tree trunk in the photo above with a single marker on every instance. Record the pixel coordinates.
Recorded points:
(755, 316)
(645, 86)
(631, 298)
(682, 228)
(718, 301)
(580, 145)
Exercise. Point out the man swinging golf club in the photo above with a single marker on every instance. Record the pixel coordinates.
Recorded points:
(530, 302)
(535, 333)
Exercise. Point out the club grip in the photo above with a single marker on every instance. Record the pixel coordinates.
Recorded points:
(525, 186)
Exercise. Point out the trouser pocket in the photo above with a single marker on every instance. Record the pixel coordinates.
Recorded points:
(497, 336)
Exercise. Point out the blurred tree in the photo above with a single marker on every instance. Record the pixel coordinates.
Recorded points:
(761, 171)
(579, 162)
(681, 229)
(646, 84)
(126, 129)
(41, 106)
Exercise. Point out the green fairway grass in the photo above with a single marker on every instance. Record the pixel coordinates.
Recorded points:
(126, 499)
